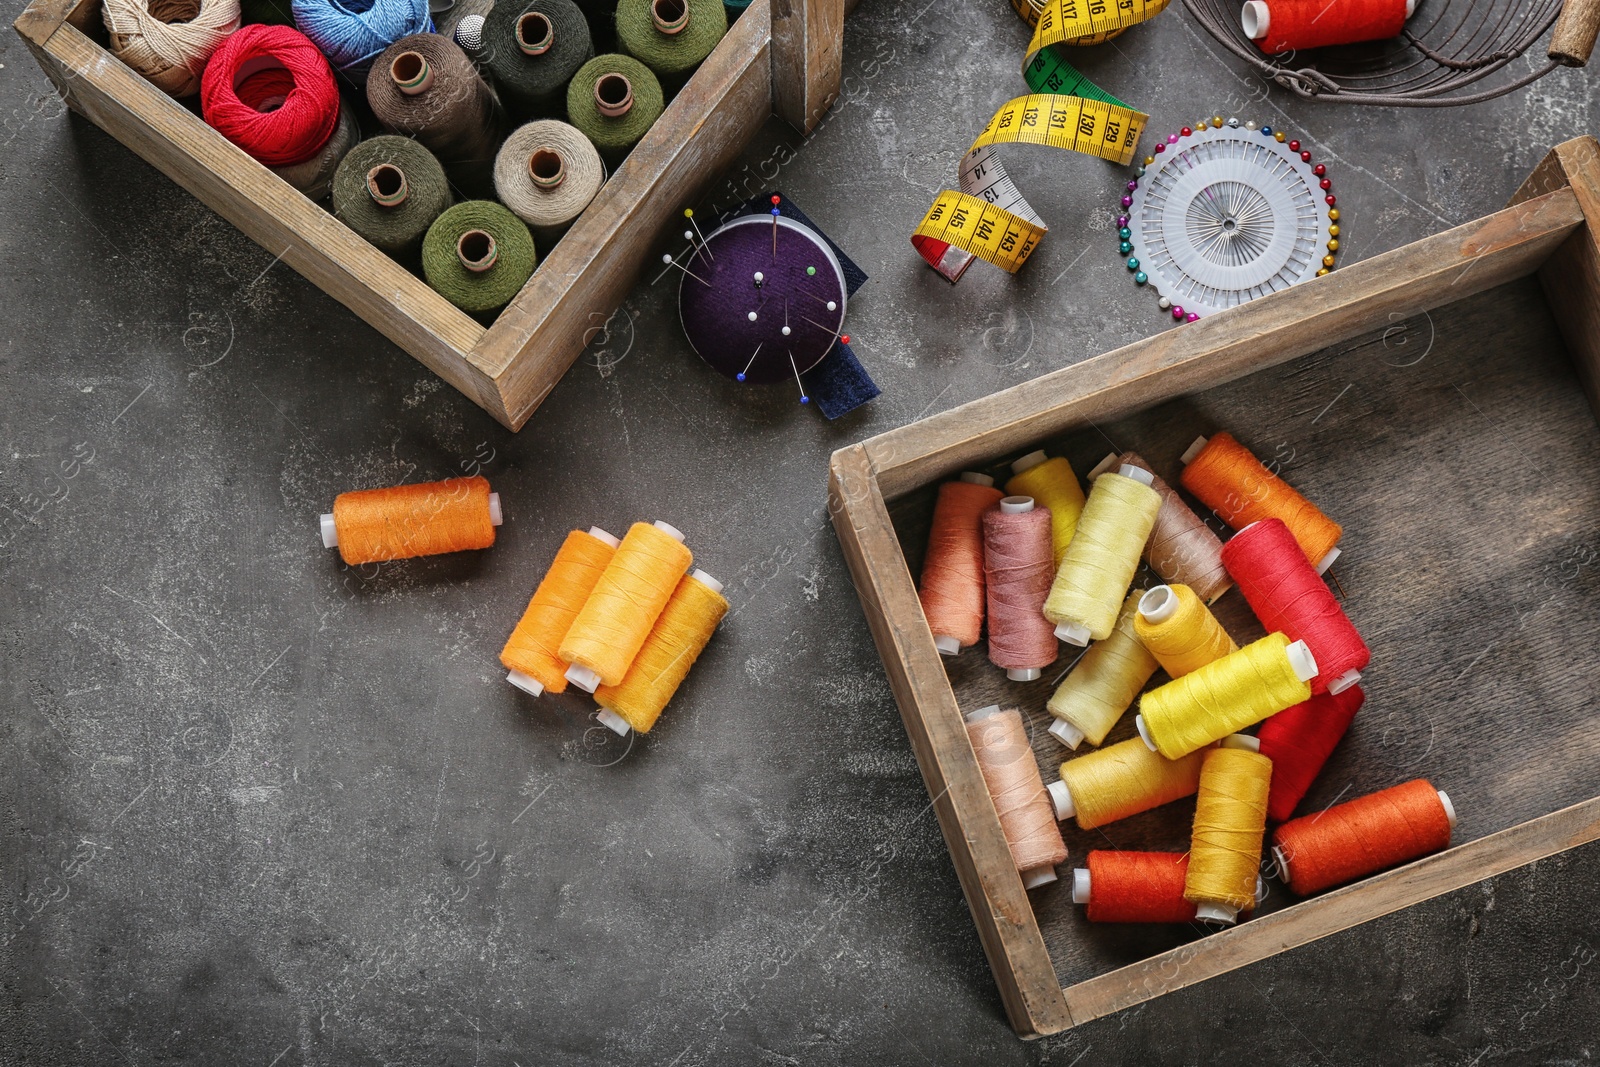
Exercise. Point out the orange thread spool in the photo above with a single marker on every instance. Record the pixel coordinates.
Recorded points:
(617, 618)
(680, 635)
(1134, 887)
(426, 519)
(952, 590)
(1363, 836)
(531, 652)
(1017, 789)
(1234, 484)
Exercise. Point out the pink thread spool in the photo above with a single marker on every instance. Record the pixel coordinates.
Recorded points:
(1018, 570)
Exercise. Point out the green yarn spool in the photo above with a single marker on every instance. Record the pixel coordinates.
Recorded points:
(614, 136)
(673, 57)
(535, 86)
(396, 230)
(478, 293)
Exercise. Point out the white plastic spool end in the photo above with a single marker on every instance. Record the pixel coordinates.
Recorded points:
(1028, 462)
(604, 535)
(1066, 733)
(947, 646)
(1302, 661)
(1243, 742)
(1103, 466)
(1255, 19)
(1016, 505)
(1037, 877)
(1343, 682)
(1261, 890)
(1061, 797)
(1023, 674)
(613, 722)
(1144, 732)
(1080, 886)
(1138, 474)
(330, 532)
(706, 580)
(1073, 633)
(975, 478)
(983, 713)
(1212, 912)
(669, 529)
(1449, 808)
(583, 678)
(1192, 451)
(496, 516)
(526, 682)
(1158, 604)
(1280, 864)
(1411, 6)
(1326, 561)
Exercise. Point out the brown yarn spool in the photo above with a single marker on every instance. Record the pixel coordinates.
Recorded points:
(1182, 548)
(1017, 789)
(424, 86)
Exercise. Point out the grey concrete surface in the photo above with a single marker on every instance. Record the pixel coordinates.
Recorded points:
(262, 809)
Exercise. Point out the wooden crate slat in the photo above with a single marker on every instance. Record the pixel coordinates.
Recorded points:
(807, 56)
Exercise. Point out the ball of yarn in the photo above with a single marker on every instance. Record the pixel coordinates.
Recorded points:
(673, 56)
(352, 32)
(478, 292)
(452, 113)
(269, 91)
(532, 50)
(535, 156)
(168, 42)
(314, 176)
(615, 135)
(396, 228)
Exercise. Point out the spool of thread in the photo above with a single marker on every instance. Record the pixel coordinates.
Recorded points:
(1120, 781)
(351, 33)
(1182, 547)
(266, 12)
(546, 173)
(1299, 740)
(1234, 484)
(1103, 685)
(951, 588)
(1230, 821)
(1104, 554)
(671, 37)
(314, 176)
(269, 91)
(532, 50)
(424, 519)
(1050, 481)
(1001, 745)
(1282, 26)
(601, 15)
(1227, 695)
(621, 611)
(168, 42)
(532, 652)
(1180, 631)
(734, 8)
(390, 190)
(1288, 595)
(424, 86)
(614, 100)
(1016, 575)
(1363, 836)
(478, 255)
(1134, 887)
(686, 624)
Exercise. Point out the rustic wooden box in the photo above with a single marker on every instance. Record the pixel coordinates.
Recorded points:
(783, 58)
(1447, 428)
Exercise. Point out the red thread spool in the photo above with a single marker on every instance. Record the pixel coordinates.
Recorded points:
(1278, 26)
(1289, 596)
(1135, 887)
(269, 91)
(1018, 567)
(1363, 836)
(1299, 741)
(952, 570)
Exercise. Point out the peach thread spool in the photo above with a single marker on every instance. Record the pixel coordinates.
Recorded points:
(424, 519)
(1016, 575)
(1104, 554)
(531, 652)
(1012, 775)
(1050, 481)
(951, 589)
(1182, 547)
(1363, 836)
(1103, 685)
(1227, 695)
(1180, 631)
(679, 636)
(619, 614)
(1234, 484)
(1137, 887)
(1230, 821)
(1120, 781)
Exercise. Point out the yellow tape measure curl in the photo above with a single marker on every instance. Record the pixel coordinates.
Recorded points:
(988, 218)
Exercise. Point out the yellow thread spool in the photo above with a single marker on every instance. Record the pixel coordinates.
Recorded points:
(1054, 486)
(1180, 631)
(1104, 554)
(530, 654)
(1225, 696)
(680, 635)
(1104, 684)
(1230, 819)
(627, 600)
(1122, 780)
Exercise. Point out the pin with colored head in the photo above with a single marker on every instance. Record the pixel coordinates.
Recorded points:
(688, 213)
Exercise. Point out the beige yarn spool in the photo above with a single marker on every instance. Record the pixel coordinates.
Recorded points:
(314, 176)
(168, 42)
(534, 157)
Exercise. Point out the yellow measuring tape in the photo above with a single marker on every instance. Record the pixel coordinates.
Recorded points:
(989, 218)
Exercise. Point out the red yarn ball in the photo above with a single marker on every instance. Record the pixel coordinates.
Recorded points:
(277, 68)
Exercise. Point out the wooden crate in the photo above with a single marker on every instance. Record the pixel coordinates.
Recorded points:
(1447, 427)
(783, 58)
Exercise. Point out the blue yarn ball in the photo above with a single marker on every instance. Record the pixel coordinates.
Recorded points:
(351, 33)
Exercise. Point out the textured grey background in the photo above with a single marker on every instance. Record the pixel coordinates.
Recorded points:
(261, 809)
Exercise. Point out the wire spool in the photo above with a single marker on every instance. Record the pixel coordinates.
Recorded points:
(424, 86)
(1016, 577)
(314, 176)
(671, 37)
(269, 91)
(478, 255)
(614, 100)
(1230, 821)
(1180, 631)
(266, 12)
(1100, 562)
(424, 519)
(1225, 696)
(1133, 887)
(389, 190)
(1120, 781)
(167, 42)
(951, 586)
(352, 33)
(1103, 685)
(1363, 836)
(1182, 547)
(621, 611)
(1299, 740)
(1051, 482)
(1001, 746)
(1234, 484)
(680, 634)
(532, 653)
(532, 50)
(547, 173)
